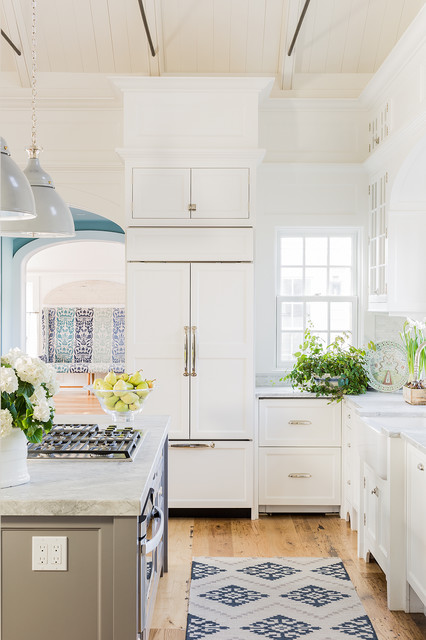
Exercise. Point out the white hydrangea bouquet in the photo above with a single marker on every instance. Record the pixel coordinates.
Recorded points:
(27, 385)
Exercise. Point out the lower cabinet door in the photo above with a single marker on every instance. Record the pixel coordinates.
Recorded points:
(416, 521)
(210, 474)
(299, 476)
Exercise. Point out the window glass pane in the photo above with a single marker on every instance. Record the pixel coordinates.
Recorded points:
(290, 343)
(340, 316)
(292, 315)
(340, 281)
(315, 281)
(291, 251)
(317, 313)
(341, 251)
(316, 251)
(291, 281)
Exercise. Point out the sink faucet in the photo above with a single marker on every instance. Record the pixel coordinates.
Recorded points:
(417, 359)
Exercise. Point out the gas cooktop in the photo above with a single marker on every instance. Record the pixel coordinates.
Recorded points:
(88, 441)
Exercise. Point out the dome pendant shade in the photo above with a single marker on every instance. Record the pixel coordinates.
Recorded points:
(54, 218)
(16, 196)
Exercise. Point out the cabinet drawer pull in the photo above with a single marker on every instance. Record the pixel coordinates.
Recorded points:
(375, 491)
(299, 475)
(299, 422)
(420, 467)
(192, 445)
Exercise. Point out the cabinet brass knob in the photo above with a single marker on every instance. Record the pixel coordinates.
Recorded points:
(420, 467)
(375, 491)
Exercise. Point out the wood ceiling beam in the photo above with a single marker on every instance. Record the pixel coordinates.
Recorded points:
(18, 33)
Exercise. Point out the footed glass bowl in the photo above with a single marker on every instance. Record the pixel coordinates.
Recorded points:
(123, 404)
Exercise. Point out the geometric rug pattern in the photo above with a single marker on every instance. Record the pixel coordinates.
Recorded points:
(274, 599)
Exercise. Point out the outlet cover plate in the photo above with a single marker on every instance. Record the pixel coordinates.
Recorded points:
(49, 553)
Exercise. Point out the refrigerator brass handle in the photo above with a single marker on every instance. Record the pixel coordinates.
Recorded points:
(194, 350)
(305, 422)
(186, 351)
(192, 445)
(300, 475)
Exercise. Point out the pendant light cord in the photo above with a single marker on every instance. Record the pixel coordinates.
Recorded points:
(33, 151)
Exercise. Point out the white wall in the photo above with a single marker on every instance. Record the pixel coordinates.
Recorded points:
(299, 195)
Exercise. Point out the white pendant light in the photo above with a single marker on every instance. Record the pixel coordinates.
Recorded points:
(16, 197)
(54, 218)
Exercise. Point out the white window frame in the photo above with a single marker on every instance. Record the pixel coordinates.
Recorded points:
(309, 232)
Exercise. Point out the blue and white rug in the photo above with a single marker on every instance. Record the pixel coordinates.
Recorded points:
(277, 598)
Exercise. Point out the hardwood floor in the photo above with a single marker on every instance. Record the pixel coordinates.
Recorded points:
(278, 535)
(283, 535)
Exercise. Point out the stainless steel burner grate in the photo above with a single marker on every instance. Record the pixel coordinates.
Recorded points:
(76, 441)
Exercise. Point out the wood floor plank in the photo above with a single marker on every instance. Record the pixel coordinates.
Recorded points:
(292, 535)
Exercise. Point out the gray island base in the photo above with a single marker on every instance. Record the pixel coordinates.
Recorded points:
(108, 590)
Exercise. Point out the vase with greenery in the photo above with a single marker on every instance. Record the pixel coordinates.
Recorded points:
(27, 385)
(332, 370)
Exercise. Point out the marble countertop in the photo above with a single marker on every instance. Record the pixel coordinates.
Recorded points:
(89, 487)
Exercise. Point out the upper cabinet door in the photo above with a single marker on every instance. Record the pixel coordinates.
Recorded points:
(157, 314)
(161, 194)
(222, 391)
(220, 193)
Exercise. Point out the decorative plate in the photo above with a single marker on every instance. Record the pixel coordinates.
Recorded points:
(387, 367)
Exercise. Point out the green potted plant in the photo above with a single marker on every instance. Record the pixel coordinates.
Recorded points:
(334, 370)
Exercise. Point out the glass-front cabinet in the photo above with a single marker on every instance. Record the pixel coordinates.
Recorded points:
(377, 244)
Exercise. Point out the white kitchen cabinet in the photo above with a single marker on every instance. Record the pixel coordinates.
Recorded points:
(212, 474)
(416, 521)
(377, 517)
(299, 455)
(378, 244)
(299, 476)
(190, 326)
(165, 195)
(350, 467)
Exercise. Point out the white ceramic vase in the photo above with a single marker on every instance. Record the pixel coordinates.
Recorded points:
(13, 459)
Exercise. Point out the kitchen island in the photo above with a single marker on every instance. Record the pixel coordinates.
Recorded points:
(107, 591)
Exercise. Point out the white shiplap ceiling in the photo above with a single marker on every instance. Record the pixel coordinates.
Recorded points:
(206, 36)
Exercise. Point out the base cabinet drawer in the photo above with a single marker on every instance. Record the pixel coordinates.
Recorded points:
(298, 423)
(210, 474)
(299, 476)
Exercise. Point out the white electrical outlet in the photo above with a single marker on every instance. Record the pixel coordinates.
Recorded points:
(50, 553)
